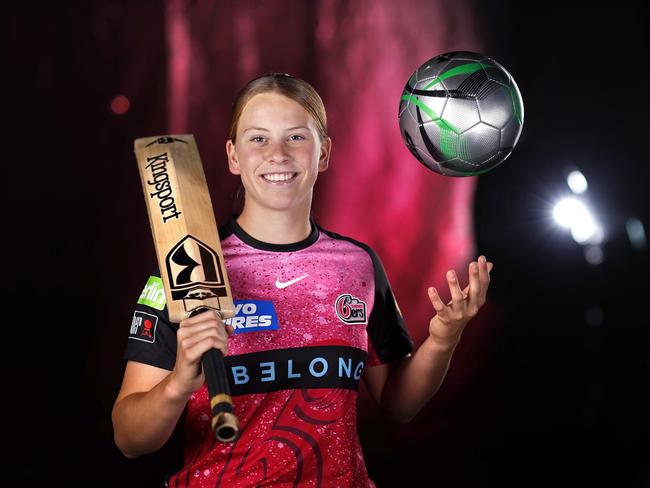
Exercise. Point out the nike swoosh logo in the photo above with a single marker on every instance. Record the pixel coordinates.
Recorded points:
(282, 285)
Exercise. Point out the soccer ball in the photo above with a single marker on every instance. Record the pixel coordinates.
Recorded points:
(461, 114)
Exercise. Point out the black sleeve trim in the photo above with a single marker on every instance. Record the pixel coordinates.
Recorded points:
(148, 361)
(386, 327)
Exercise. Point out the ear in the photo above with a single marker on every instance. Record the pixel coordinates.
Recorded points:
(325, 151)
(233, 163)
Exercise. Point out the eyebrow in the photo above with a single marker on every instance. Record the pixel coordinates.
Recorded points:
(267, 130)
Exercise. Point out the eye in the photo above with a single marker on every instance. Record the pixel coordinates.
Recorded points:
(296, 137)
(257, 139)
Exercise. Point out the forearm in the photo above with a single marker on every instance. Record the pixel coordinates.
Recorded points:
(144, 421)
(415, 380)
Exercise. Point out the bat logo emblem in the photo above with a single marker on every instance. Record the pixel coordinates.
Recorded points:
(165, 140)
(194, 271)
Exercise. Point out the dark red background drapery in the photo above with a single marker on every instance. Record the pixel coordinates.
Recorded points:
(358, 55)
(180, 64)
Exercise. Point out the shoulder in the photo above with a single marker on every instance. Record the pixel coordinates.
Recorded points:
(352, 243)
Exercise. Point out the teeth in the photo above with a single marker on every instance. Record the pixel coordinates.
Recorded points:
(278, 176)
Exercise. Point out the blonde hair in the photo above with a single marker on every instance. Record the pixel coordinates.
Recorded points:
(294, 88)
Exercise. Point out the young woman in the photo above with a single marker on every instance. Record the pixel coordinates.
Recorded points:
(316, 315)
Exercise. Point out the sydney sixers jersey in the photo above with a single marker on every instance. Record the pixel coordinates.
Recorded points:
(310, 317)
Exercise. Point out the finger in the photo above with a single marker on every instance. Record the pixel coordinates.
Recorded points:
(230, 330)
(442, 311)
(484, 276)
(474, 284)
(195, 353)
(201, 322)
(437, 303)
(201, 317)
(454, 288)
(198, 344)
(190, 340)
(484, 270)
(204, 329)
(190, 330)
(466, 289)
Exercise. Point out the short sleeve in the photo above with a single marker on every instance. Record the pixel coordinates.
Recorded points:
(152, 337)
(387, 333)
(372, 359)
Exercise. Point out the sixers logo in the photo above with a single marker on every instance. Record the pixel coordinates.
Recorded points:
(350, 309)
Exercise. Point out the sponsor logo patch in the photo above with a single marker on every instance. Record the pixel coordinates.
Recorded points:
(143, 327)
(253, 316)
(153, 294)
(350, 309)
(296, 368)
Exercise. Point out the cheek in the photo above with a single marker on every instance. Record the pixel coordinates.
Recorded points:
(309, 153)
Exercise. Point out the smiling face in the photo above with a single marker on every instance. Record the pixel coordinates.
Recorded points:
(278, 153)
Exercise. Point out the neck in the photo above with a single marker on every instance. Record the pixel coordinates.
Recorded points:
(275, 226)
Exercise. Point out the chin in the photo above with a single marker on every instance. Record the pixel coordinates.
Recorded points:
(286, 204)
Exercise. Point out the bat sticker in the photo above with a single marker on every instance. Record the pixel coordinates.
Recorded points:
(194, 271)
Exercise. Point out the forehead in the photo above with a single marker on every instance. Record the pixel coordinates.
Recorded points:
(274, 108)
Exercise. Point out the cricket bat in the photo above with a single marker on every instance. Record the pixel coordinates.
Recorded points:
(189, 251)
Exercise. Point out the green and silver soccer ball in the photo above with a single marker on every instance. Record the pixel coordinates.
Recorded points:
(461, 114)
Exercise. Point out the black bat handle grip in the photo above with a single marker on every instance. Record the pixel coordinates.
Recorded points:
(224, 422)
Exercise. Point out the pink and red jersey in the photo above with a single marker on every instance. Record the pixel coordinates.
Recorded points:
(310, 317)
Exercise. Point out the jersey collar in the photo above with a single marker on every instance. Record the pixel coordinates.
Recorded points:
(232, 227)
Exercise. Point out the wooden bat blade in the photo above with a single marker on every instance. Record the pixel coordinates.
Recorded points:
(189, 252)
(183, 226)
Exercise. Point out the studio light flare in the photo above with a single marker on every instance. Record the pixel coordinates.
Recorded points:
(577, 182)
(569, 211)
(572, 214)
(636, 233)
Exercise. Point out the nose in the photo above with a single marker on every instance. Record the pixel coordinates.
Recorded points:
(277, 153)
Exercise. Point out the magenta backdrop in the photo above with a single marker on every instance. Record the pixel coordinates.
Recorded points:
(358, 55)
